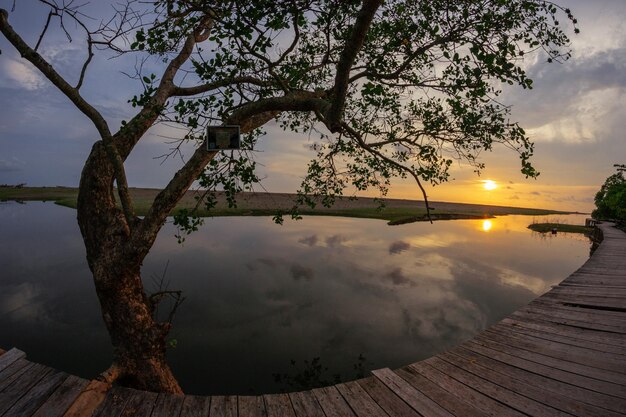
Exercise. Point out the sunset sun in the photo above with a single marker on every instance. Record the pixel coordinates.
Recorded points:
(489, 185)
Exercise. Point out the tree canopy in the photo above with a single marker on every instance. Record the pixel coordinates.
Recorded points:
(611, 199)
(393, 89)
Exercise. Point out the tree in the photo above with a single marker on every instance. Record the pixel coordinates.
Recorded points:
(611, 199)
(396, 88)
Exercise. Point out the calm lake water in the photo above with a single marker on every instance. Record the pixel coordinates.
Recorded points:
(260, 295)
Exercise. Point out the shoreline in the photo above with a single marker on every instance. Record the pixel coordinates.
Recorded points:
(395, 211)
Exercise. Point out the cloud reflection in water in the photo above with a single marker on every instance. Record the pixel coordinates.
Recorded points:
(259, 295)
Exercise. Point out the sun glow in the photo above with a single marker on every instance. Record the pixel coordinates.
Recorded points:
(489, 185)
(487, 225)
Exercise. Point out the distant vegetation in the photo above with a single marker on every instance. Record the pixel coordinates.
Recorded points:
(267, 204)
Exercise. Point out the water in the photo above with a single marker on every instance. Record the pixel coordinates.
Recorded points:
(260, 295)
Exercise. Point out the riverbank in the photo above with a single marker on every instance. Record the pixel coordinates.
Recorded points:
(395, 211)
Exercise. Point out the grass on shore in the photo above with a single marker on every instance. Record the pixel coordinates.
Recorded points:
(67, 196)
(565, 228)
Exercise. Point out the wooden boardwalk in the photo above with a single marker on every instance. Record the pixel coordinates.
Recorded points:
(564, 354)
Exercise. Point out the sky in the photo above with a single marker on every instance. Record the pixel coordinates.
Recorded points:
(574, 114)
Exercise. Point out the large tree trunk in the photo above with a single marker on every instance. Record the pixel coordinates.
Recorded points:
(138, 340)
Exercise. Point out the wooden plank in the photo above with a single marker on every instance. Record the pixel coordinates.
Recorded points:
(549, 402)
(603, 278)
(614, 353)
(420, 393)
(586, 315)
(10, 357)
(577, 284)
(12, 393)
(278, 405)
(479, 400)
(564, 320)
(62, 398)
(88, 400)
(552, 358)
(616, 274)
(361, 403)
(251, 406)
(605, 259)
(223, 406)
(13, 372)
(196, 406)
(576, 354)
(608, 275)
(114, 402)
(592, 300)
(594, 339)
(591, 281)
(168, 405)
(509, 397)
(597, 291)
(611, 317)
(32, 399)
(607, 341)
(140, 404)
(305, 404)
(619, 317)
(388, 401)
(519, 359)
(583, 333)
(597, 399)
(332, 402)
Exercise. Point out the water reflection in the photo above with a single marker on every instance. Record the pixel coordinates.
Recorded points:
(487, 225)
(259, 295)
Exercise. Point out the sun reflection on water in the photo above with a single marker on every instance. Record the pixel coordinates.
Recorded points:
(487, 225)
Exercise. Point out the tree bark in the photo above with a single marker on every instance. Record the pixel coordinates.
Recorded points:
(138, 340)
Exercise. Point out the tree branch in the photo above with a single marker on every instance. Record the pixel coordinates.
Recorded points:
(50, 73)
(74, 95)
(44, 30)
(407, 61)
(294, 101)
(356, 136)
(143, 237)
(348, 55)
(204, 88)
(132, 132)
(85, 64)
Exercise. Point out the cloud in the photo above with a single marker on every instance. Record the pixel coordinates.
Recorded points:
(398, 278)
(398, 247)
(578, 101)
(10, 165)
(335, 241)
(489, 288)
(301, 272)
(21, 73)
(267, 262)
(309, 240)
